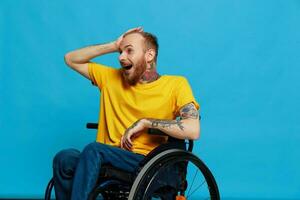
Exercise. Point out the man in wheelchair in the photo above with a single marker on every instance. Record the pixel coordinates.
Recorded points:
(134, 99)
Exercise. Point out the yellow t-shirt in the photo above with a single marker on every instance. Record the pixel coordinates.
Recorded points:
(122, 105)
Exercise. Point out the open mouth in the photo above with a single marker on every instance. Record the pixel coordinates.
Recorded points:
(128, 67)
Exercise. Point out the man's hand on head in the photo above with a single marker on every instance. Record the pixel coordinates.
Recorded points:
(119, 40)
(132, 132)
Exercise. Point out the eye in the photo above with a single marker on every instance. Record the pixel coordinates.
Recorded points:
(129, 50)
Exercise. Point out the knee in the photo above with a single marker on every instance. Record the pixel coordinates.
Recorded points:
(63, 156)
(93, 149)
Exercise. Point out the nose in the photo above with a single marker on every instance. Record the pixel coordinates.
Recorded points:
(121, 57)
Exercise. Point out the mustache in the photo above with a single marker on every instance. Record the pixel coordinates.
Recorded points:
(124, 64)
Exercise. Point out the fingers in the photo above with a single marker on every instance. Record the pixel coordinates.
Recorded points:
(139, 29)
(128, 145)
(126, 142)
(121, 143)
(118, 41)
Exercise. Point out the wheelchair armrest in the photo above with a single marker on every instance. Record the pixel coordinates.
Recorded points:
(92, 125)
(150, 130)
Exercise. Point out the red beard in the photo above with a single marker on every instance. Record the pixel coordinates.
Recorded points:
(139, 69)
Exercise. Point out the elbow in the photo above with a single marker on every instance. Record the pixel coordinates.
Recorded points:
(67, 59)
(195, 133)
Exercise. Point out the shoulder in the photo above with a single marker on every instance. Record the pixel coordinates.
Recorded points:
(101, 74)
(175, 79)
(104, 70)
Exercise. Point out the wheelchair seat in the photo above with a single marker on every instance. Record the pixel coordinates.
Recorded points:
(109, 172)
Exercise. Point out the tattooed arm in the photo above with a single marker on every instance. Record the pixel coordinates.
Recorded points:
(187, 127)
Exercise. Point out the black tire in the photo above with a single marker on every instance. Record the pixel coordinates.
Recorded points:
(49, 189)
(148, 182)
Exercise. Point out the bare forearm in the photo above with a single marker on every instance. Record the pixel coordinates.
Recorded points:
(85, 54)
(182, 129)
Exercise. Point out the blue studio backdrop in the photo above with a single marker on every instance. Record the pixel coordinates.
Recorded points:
(240, 57)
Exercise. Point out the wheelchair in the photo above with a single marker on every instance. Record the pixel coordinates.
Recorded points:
(169, 172)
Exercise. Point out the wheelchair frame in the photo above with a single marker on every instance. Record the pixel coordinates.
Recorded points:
(154, 164)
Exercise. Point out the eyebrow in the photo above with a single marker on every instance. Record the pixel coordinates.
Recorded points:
(127, 46)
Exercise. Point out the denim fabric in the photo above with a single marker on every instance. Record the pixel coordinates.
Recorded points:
(75, 174)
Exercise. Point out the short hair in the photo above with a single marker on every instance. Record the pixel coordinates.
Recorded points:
(150, 41)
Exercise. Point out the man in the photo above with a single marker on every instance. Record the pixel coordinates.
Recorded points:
(133, 99)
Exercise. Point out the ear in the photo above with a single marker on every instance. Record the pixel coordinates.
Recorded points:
(150, 55)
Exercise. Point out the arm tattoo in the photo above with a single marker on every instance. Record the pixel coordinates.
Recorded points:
(133, 125)
(156, 123)
(189, 111)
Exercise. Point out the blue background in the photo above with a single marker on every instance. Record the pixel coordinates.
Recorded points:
(241, 58)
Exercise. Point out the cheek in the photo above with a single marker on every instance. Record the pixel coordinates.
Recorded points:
(132, 59)
(136, 57)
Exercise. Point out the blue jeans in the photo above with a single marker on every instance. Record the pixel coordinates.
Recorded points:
(75, 174)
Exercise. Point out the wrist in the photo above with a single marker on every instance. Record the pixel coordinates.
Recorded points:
(146, 123)
(115, 46)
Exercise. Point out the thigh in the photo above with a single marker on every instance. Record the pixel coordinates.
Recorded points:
(116, 156)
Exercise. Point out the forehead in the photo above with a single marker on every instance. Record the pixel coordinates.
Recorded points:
(134, 39)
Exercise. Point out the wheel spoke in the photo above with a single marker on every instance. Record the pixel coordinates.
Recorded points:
(197, 188)
(192, 182)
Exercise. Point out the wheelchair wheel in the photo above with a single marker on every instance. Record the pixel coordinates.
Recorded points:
(174, 174)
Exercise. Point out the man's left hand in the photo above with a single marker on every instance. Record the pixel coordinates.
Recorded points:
(132, 132)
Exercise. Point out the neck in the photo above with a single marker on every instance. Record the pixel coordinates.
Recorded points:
(150, 74)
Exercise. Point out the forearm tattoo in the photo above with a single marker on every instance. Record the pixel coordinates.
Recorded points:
(133, 125)
(189, 111)
(156, 123)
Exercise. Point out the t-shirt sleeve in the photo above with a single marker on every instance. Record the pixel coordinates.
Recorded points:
(184, 95)
(100, 74)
